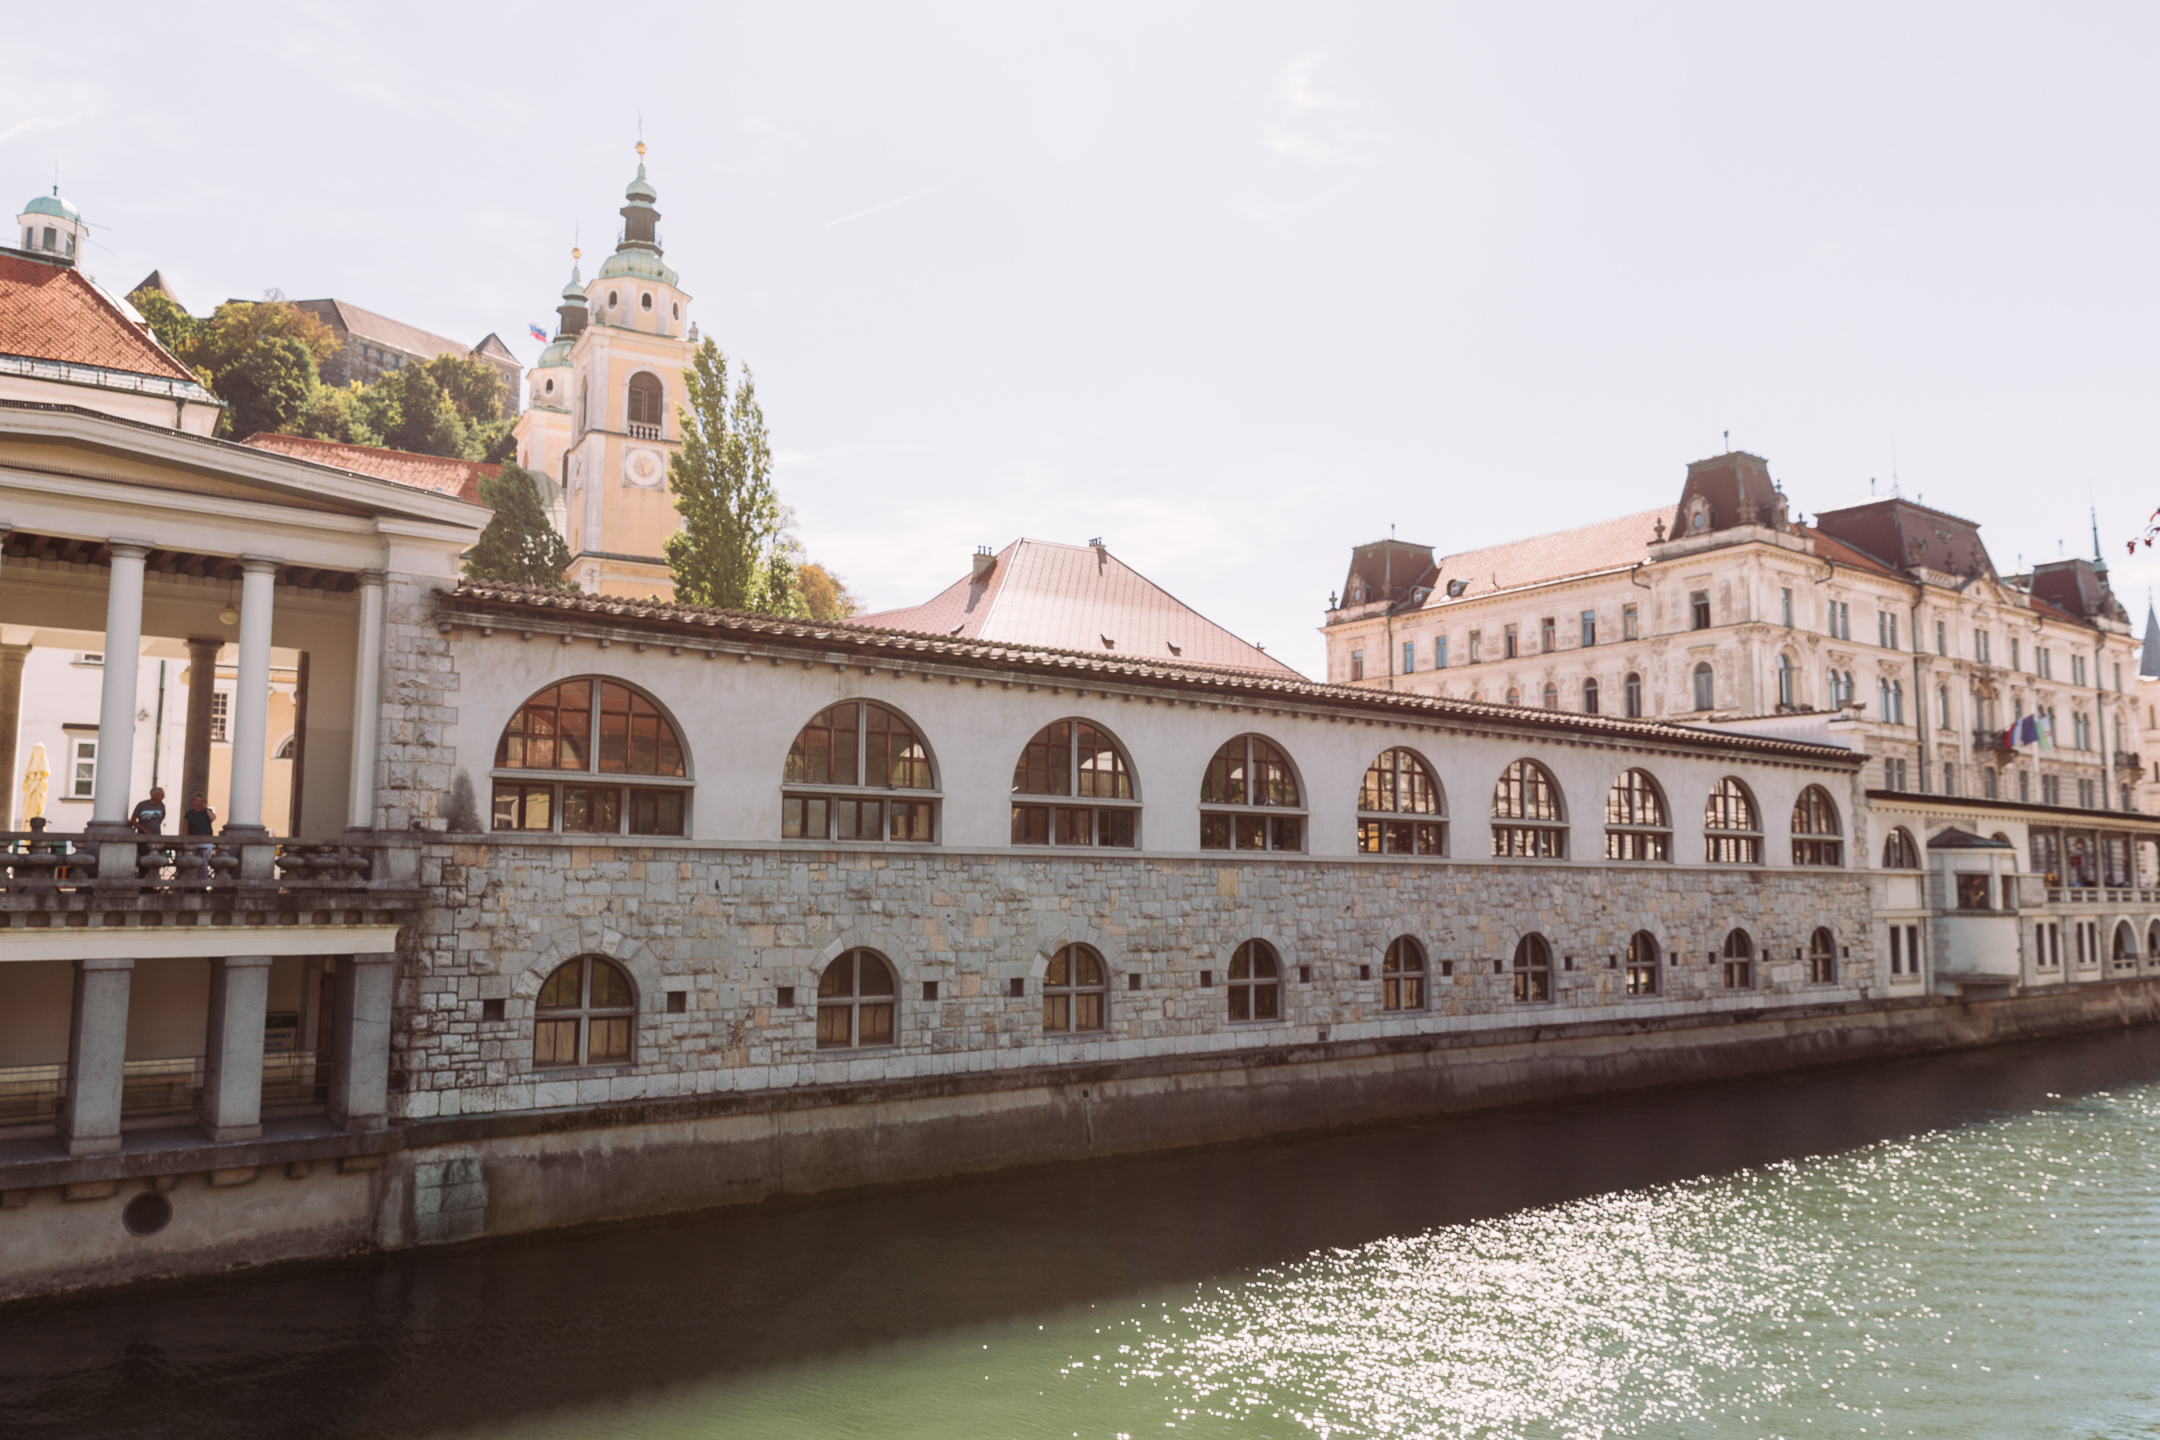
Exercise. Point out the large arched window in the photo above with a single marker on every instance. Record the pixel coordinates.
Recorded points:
(840, 773)
(1739, 961)
(1255, 982)
(1533, 968)
(1075, 991)
(1642, 963)
(856, 997)
(584, 1016)
(1248, 786)
(1631, 695)
(648, 402)
(1400, 807)
(1705, 687)
(1527, 820)
(1402, 975)
(1898, 851)
(596, 729)
(1732, 826)
(1636, 825)
(1822, 957)
(1082, 765)
(1815, 829)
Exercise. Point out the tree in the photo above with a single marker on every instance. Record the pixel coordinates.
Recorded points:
(825, 595)
(732, 550)
(519, 546)
(266, 386)
(172, 326)
(263, 359)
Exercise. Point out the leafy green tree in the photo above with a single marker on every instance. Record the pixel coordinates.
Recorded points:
(519, 546)
(336, 412)
(263, 359)
(172, 326)
(732, 550)
(266, 386)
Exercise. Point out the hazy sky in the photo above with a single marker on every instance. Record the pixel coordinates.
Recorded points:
(1232, 286)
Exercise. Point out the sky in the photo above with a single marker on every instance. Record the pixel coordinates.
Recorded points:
(1233, 287)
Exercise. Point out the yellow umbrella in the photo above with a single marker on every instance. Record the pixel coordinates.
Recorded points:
(37, 778)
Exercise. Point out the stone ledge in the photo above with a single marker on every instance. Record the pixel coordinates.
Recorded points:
(150, 1154)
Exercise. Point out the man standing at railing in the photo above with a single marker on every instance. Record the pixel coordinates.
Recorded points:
(198, 818)
(149, 815)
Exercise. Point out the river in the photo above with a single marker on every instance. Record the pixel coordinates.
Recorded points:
(1962, 1246)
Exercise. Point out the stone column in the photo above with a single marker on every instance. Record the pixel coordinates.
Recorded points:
(360, 1041)
(195, 748)
(116, 707)
(11, 668)
(233, 1048)
(251, 700)
(367, 701)
(97, 1057)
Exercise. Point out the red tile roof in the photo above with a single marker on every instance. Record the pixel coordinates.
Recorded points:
(1585, 550)
(53, 312)
(457, 478)
(1080, 598)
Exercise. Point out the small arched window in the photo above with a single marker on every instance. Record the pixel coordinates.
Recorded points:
(1739, 961)
(1552, 696)
(1533, 968)
(598, 728)
(1077, 762)
(1589, 697)
(1732, 827)
(1514, 696)
(1075, 991)
(856, 998)
(1642, 963)
(287, 748)
(1255, 982)
(1815, 829)
(1402, 975)
(854, 753)
(584, 1015)
(647, 404)
(1705, 688)
(1527, 819)
(1822, 957)
(613, 299)
(1251, 782)
(1898, 851)
(1631, 695)
(645, 302)
(1636, 826)
(1785, 682)
(1400, 807)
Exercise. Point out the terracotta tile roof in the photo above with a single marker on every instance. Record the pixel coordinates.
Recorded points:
(53, 312)
(697, 625)
(457, 478)
(1585, 550)
(1080, 598)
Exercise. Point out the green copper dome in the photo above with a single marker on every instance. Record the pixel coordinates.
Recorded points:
(557, 353)
(574, 292)
(641, 189)
(60, 209)
(637, 264)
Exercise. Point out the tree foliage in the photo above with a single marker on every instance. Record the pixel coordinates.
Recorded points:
(825, 595)
(520, 546)
(732, 550)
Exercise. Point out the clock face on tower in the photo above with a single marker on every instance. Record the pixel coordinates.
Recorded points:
(644, 469)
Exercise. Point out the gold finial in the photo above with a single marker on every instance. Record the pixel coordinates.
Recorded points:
(575, 252)
(641, 149)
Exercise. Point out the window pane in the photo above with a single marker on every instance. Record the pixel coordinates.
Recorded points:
(817, 817)
(1214, 832)
(833, 1025)
(1057, 1012)
(561, 990)
(1240, 1002)
(1114, 827)
(555, 1042)
(1074, 827)
(838, 979)
(791, 818)
(610, 987)
(1251, 832)
(539, 803)
(1031, 824)
(1087, 1012)
(1266, 999)
(877, 1025)
(506, 807)
(1087, 969)
(876, 977)
(609, 1041)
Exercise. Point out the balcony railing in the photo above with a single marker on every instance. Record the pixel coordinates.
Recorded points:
(643, 432)
(31, 1094)
(42, 861)
(2104, 895)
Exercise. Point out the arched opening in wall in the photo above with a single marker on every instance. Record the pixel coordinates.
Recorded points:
(1076, 991)
(286, 748)
(1739, 961)
(1533, 969)
(1514, 696)
(1082, 788)
(1705, 687)
(2124, 949)
(1402, 975)
(648, 405)
(1244, 795)
(1551, 696)
(1527, 817)
(1400, 807)
(585, 1015)
(1815, 829)
(857, 998)
(1631, 693)
(1732, 826)
(1642, 963)
(612, 758)
(1900, 851)
(2152, 939)
(1255, 982)
(1822, 957)
(842, 770)
(1636, 827)
(1589, 697)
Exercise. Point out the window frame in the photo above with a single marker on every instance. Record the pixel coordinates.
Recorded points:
(1631, 695)
(1060, 810)
(582, 1015)
(1071, 994)
(1624, 799)
(1379, 826)
(1818, 849)
(1405, 977)
(1822, 956)
(1899, 844)
(807, 793)
(1532, 972)
(1743, 846)
(853, 1003)
(1740, 966)
(1243, 993)
(521, 784)
(1276, 822)
(1645, 965)
(656, 428)
(1510, 829)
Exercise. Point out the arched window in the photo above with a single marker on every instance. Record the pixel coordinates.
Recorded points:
(1398, 795)
(2152, 939)
(1636, 827)
(1642, 963)
(1552, 696)
(1533, 968)
(1253, 780)
(1255, 982)
(2125, 945)
(1402, 975)
(1589, 697)
(1785, 682)
(287, 748)
(1526, 813)
(1732, 827)
(1739, 961)
(1898, 851)
(1078, 762)
(1815, 829)
(855, 1001)
(1631, 695)
(854, 754)
(584, 1015)
(595, 728)
(1514, 696)
(1075, 991)
(1705, 696)
(648, 401)
(1822, 957)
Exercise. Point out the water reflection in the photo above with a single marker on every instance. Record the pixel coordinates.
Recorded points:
(1558, 1271)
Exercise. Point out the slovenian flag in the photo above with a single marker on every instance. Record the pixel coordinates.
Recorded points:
(537, 333)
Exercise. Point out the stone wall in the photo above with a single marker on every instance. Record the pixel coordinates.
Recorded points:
(413, 766)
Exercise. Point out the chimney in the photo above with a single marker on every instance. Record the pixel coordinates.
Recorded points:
(985, 562)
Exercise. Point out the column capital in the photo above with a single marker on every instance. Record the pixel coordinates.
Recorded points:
(107, 963)
(372, 578)
(260, 564)
(244, 962)
(206, 642)
(123, 549)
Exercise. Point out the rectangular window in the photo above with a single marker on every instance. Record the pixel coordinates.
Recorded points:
(1630, 623)
(1785, 607)
(1699, 610)
(524, 807)
(1409, 657)
(1942, 637)
(1357, 664)
(2051, 789)
(2014, 652)
(82, 784)
(220, 716)
(1980, 646)
(1589, 628)
(1882, 630)
(2046, 661)
(1508, 642)
(1475, 638)
(1949, 780)
(2077, 669)
(1548, 636)
(1987, 781)
(1439, 652)
(2024, 788)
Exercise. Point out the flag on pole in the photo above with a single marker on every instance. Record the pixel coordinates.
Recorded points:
(2025, 732)
(537, 333)
(2046, 727)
